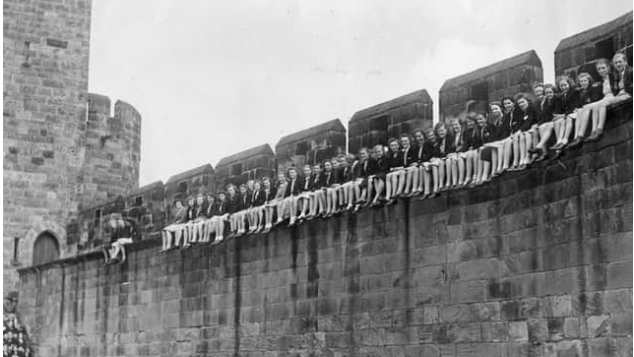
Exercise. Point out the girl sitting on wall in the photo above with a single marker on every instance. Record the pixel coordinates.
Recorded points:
(589, 92)
(549, 106)
(395, 169)
(174, 230)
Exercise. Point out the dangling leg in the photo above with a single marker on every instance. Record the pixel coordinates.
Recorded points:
(436, 178)
(426, 182)
(441, 174)
(470, 172)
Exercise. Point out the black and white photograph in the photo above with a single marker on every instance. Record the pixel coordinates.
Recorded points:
(284, 178)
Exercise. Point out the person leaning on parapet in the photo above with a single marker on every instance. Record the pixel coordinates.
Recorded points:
(123, 231)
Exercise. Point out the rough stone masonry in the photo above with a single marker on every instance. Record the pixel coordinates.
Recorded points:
(537, 263)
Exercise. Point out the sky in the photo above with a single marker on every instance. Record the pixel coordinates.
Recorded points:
(212, 78)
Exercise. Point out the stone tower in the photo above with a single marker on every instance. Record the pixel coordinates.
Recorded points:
(61, 147)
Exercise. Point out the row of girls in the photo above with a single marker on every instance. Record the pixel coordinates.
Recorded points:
(515, 133)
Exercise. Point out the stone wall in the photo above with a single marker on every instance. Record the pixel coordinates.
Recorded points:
(113, 148)
(46, 49)
(536, 263)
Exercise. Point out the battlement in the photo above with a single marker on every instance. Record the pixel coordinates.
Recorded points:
(535, 263)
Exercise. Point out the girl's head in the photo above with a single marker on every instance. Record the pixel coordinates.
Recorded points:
(495, 108)
(306, 170)
(316, 169)
(405, 141)
(336, 163)
(480, 120)
(281, 178)
(350, 159)
(441, 130)
(538, 91)
(522, 103)
(619, 61)
(470, 121)
(243, 189)
(257, 185)
(200, 199)
(222, 197)
(266, 182)
(393, 145)
(363, 154)
(585, 80)
(564, 83)
(191, 201)
(231, 190)
(378, 151)
(431, 135)
(549, 91)
(178, 204)
(603, 67)
(250, 184)
(327, 165)
(456, 127)
(292, 173)
(211, 199)
(419, 136)
(508, 104)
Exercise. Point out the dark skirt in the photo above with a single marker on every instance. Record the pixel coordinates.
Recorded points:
(486, 154)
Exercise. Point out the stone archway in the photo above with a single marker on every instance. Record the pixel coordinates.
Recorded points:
(45, 249)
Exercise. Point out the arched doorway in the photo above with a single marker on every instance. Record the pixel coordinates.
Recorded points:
(45, 249)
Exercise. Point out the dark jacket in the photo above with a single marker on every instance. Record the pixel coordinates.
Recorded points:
(592, 94)
(496, 131)
(473, 138)
(315, 181)
(443, 147)
(233, 204)
(627, 81)
(394, 160)
(294, 190)
(529, 117)
(257, 198)
(458, 142)
(425, 154)
(377, 166)
(512, 122)
(409, 157)
(327, 179)
(548, 109)
(569, 102)
(307, 184)
(268, 197)
(220, 208)
(244, 201)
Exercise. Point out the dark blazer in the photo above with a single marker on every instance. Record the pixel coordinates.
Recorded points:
(233, 204)
(461, 145)
(590, 95)
(444, 147)
(364, 168)
(257, 198)
(394, 160)
(221, 208)
(426, 152)
(548, 109)
(473, 138)
(512, 122)
(315, 181)
(377, 166)
(307, 184)
(529, 117)
(569, 102)
(327, 180)
(627, 81)
(296, 189)
(244, 201)
(338, 174)
(270, 196)
(209, 210)
(409, 157)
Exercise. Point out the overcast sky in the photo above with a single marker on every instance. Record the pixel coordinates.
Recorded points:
(212, 78)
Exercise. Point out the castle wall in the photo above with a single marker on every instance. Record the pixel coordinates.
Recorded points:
(46, 49)
(535, 263)
(113, 146)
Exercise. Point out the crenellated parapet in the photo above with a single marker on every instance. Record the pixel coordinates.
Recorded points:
(250, 164)
(311, 146)
(578, 53)
(112, 149)
(473, 91)
(376, 124)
